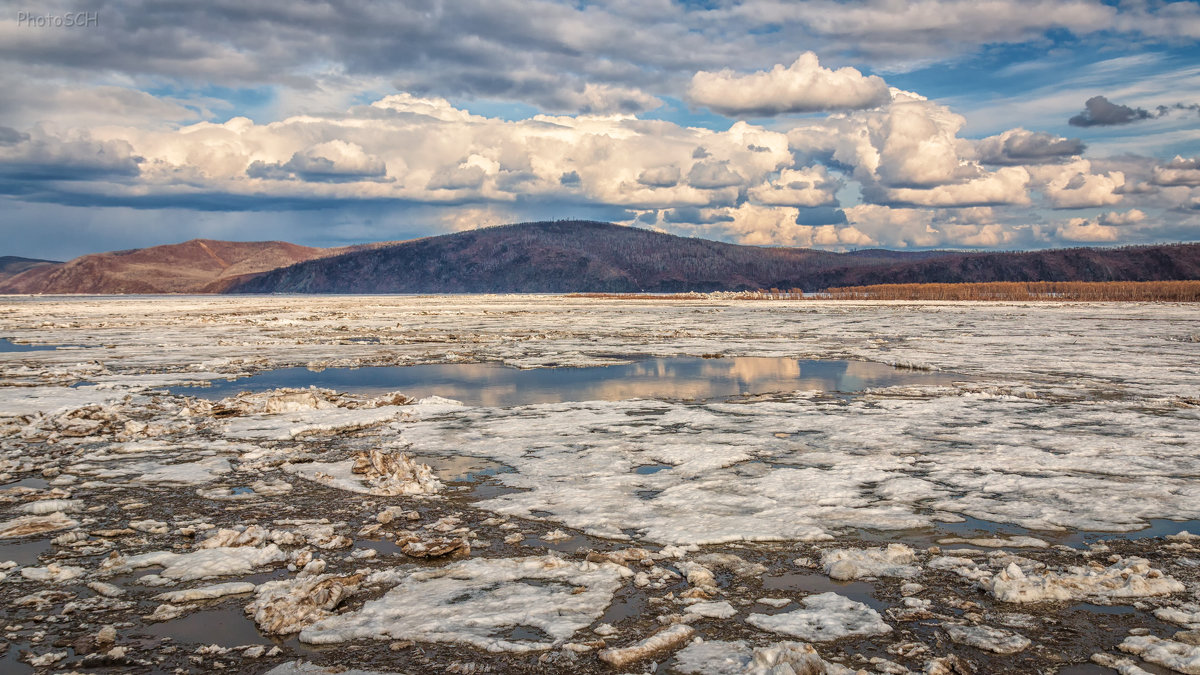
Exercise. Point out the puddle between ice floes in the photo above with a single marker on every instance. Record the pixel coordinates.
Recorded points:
(7, 345)
(677, 378)
(971, 528)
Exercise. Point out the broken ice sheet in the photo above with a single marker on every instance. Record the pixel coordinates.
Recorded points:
(483, 602)
(718, 657)
(826, 616)
(881, 464)
(374, 472)
(203, 564)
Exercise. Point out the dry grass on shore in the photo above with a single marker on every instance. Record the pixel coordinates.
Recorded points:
(1061, 291)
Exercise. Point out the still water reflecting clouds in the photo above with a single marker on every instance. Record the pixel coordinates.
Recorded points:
(678, 378)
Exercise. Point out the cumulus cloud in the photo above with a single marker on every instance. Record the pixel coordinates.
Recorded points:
(1018, 146)
(1086, 231)
(901, 227)
(1099, 111)
(809, 187)
(918, 145)
(754, 224)
(333, 161)
(1004, 186)
(603, 98)
(1075, 186)
(660, 176)
(804, 86)
(1120, 218)
(465, 177)
(78, 156)
(1178, 172)
(421, 150)
(711, 175)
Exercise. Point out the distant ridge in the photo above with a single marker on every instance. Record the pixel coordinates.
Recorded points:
(564, 257)
(586, 256)
(11, 265)
(196, 266)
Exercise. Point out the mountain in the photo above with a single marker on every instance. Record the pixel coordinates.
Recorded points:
(568, 256)
(560, 257)
(11, 265)
(1169, 262)
(196, 266)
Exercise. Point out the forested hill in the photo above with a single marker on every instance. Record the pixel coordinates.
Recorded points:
(560, 257)
(569, 256)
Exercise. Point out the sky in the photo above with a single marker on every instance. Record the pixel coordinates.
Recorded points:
(978, 124)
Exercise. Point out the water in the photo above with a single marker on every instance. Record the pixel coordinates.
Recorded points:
(7, 345)
(677, 378)
(971, 528)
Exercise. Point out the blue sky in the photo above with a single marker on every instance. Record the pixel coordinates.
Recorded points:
(1008, 124)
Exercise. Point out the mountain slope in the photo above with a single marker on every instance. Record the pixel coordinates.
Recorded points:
(196, 266)
(11, 265)
(558, 257)
(568, 256)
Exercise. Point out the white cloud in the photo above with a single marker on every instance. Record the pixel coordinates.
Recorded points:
(417, 149)
(660, 176)
(603, 98)
(1018, 146)
(918, 145)
(1087, 231)
(758, 225)
(1117, 219)
(1005, 186)
(958, 227)
(1074, 186)
(808, 186)
(801, 87)
(1178, 172)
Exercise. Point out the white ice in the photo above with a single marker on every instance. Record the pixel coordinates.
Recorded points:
(825, 616)
(478, 601)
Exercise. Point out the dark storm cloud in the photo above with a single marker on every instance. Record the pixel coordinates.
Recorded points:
(316, 169)
(820, 215)
(691, 214)
(713, 175)
(1100, 112)
(543, 53)
(10, 136)
(1019, 147)
(209, 200)
(80, 159)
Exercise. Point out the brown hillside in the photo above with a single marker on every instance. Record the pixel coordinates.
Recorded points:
(196, 266)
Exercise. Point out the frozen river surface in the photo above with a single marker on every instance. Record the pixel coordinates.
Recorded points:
(528, 483)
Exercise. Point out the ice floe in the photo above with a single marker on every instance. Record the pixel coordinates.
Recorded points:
(289, 605)
(825, 616)
(1177, 656)
(988, 638)
(476, 601)
(895, 560)
(665, 640)
(373, 472)
(717, 657)
(203, 564)
(1126, 578)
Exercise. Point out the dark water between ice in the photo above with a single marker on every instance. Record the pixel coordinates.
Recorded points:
(7, 345)
(678, 378)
